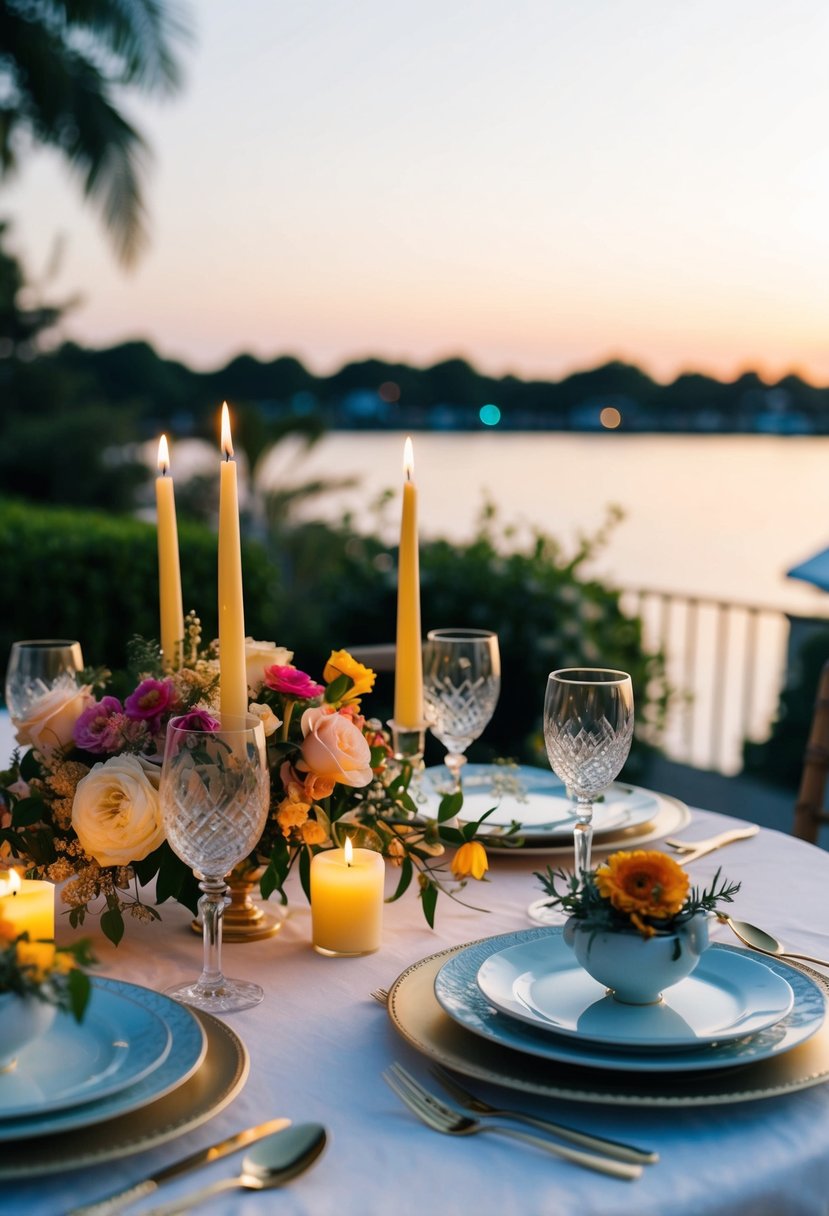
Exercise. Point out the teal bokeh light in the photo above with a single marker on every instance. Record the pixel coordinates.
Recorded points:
(489, 415)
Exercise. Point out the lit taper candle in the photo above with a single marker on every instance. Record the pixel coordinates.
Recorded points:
(169, 571)
(408, 680)
(233, 685)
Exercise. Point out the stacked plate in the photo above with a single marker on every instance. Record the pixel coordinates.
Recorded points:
(518, 1009)
(535, 800)
(138, 1070)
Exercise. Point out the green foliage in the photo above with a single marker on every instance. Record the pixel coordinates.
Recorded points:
(579, 896)
(343, 586)
(94, 577)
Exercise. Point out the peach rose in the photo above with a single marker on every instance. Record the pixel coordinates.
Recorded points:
(52, 718)
(117, 813)
(333, 747)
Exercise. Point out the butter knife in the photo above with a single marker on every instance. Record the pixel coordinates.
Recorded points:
(120, 1199)
(717, 842)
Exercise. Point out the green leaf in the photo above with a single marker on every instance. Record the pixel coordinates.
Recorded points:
(146, 869)
(29, 766)
(450, 805)
(305, 872)
(406, 873)
(337, 689)
(429, 899)
(28, 812)
(451, 835)
(79, 988)
(112, 924)
(172, 873)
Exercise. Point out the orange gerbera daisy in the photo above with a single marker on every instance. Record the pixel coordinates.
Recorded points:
(643, 884)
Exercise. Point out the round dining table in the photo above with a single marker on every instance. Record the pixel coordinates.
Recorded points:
(319, 1042)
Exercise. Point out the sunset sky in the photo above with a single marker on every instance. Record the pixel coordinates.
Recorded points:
(536, 186)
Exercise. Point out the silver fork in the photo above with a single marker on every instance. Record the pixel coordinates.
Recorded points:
(453, 1122)
(691, 850)
(611, 1148)
(381, 995)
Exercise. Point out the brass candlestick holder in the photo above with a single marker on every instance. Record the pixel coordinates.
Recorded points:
(245, 920)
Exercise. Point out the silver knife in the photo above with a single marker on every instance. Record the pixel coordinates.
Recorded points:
(717, 842)
(120, 1199)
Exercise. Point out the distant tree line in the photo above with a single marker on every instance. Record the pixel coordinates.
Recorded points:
(72, 415)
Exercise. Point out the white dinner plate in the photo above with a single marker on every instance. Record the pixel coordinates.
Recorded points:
(118, 1042)
(725, 997)
(185, 1054)
(458, 994)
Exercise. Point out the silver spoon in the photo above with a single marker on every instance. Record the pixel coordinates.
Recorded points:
(274, 1160)
(758, 939)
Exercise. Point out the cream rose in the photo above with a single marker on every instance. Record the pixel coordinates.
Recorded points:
(266, 716)
(117, 813)
(53, 716)
(258, 656)
(334, 748)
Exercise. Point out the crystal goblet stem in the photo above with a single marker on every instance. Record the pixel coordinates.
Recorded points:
(215, 794)
(461, 685)
(588, 729)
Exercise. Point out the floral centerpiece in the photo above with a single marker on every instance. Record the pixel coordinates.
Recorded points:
(635, 922)
(81, 807)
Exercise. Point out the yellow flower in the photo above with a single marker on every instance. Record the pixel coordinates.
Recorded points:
(643, 884)
(342, 664)
(291, 814)
(471, 859)
(312, 832)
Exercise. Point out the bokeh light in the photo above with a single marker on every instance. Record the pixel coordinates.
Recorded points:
(489, 415)
(610, 417)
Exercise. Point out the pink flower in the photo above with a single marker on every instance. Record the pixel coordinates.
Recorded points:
(99, 728)
(197, 719)
(150, 699)
(334, 749)
(292, 682)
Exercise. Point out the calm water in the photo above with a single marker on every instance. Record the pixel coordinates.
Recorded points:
(719, 516)
(707, 515)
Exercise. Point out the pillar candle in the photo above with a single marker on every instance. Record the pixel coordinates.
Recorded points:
(233, 684)
(408, 680)
(28, 905)
(347, 900)
(169, 572)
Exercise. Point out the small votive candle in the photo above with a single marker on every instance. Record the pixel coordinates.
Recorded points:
(347, 888)
(28, 905)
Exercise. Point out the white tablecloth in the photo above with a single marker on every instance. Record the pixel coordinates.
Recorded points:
(319, 1042)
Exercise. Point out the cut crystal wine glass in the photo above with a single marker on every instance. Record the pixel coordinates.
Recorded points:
(588, 729)
(461, 685)
(215, 793)
(36, 668)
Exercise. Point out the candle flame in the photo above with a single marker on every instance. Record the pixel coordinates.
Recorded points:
(163, 456)
(348, 851)
(227, 442)
(9, 882)
(408, 458)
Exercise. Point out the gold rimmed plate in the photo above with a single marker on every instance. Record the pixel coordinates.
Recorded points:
(420, 1020)
(215, 1083)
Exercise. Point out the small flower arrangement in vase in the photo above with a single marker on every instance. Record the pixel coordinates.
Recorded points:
(635, 923)
(37, 980)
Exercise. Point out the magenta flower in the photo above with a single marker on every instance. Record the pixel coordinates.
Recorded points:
(150, 700)
(292, 682)
(197, 719)
(99, 728)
